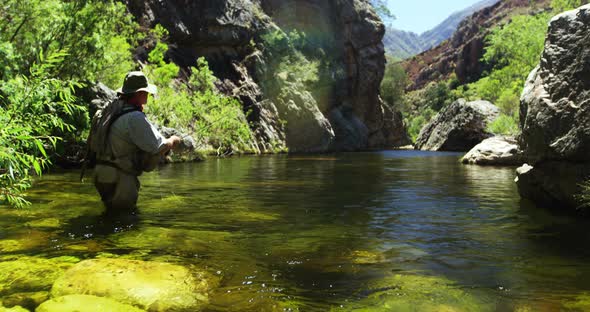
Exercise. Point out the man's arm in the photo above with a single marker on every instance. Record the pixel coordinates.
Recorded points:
(150, 162)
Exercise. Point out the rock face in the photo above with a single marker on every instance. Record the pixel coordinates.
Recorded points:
(458, 127)
(152, 286)
(498, 150)
(555, 113)
(345, 102)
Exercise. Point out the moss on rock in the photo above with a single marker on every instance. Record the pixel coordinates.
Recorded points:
(153, 286)
(28, 274)
(86, 303)
(416, 293)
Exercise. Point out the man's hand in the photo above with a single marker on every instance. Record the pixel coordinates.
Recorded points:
(175, 141)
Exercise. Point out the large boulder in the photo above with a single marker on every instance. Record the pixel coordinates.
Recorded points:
(458, 127)
(308, 131)
(497, 150)
(555, 114)
(153, 286)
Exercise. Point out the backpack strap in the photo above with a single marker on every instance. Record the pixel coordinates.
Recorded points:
(125, 110)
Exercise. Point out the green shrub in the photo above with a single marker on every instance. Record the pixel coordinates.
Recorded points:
(416, 123)
(394, 83)
(36, 112)
(196, 107)
(504, 125)
(564, 5)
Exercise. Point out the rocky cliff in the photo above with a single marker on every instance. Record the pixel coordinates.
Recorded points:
(343, 111)
(461, 54)
(555, 114)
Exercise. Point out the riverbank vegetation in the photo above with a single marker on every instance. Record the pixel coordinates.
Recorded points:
(512, 50)
(50, 49)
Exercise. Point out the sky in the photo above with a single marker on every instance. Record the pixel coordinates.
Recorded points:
(422, 15)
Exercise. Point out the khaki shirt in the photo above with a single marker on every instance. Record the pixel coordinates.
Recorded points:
(131, 137)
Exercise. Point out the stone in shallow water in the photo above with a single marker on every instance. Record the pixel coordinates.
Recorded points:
(415, 293)
(28, 274)
(52, 223)
(498, 150)
(86, 303)
(13, 309)
(154, 286)
(28, 300)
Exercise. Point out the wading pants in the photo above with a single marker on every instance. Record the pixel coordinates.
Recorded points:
(118, 190)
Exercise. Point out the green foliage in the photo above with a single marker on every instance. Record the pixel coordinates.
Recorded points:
(394, 83)
(47, 49)
(87, 30)
(512, 51)
(37, 112)
(197, 107)
(504, 125)
(438, 95)
(564, 5)
(288, 63)
(416, 122)
(382, 10)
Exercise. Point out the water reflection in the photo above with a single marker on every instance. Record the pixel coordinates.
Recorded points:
(320, 232)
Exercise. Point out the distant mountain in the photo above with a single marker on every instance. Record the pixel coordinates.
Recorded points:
(404, 44)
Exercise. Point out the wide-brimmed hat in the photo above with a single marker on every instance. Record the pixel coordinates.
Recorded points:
(136, 81)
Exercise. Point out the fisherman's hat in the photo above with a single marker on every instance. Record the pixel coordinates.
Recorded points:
(136, 81)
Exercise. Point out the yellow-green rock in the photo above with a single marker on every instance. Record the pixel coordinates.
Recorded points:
(13, 309)
(153, 286)
(409, 293)
(85, 303)
(28, 300)
(29, 274)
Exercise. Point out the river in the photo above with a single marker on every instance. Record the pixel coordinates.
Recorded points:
(378, 231)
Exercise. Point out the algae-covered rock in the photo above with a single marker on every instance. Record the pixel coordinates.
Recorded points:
(28, 274)
(173, 240)
(154, 286)
(415, 293)
(51, 223)
(28, 300)
(86, 303)
(580, 303)
(13, 309)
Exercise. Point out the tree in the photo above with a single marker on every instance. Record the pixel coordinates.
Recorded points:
(394, 83)
(382, 10)
(564, 5)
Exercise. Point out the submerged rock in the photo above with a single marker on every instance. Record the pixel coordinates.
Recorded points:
(496, 150)
(86, 303)
(415, 293)
(28, 300)
(13, 309)
(555, 114)
(458, 127)
(28, 274)
(153, 286)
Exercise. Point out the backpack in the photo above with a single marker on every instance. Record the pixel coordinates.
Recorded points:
(97, 142)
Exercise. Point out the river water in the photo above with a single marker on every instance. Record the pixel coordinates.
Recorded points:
(379, 231)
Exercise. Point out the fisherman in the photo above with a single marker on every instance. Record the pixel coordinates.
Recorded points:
(126, 144)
